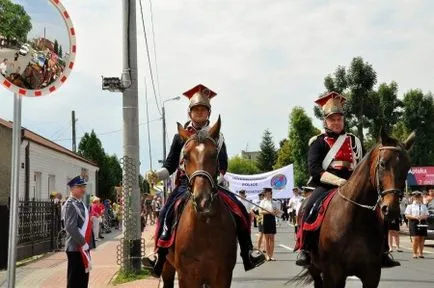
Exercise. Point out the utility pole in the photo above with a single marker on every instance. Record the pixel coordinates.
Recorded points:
(131, 243)
(163, 110)
(74, 143)
(132, 246)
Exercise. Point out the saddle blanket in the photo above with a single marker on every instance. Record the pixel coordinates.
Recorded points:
(174, 214)
(316, 218)
(319, 209)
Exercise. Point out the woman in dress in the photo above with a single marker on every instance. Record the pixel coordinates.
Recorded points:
(269, 212)
(417, 213)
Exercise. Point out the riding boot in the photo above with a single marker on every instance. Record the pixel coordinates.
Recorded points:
(303, 258)
(251, 257)
(155, 266)
(388, 261)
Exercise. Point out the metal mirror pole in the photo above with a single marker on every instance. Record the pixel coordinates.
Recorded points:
(15, 168)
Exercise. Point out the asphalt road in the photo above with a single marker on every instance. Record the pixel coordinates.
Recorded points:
(412, 273)
(10, 55)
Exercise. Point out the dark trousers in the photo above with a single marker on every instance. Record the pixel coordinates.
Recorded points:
(76, 276)
(316, 194)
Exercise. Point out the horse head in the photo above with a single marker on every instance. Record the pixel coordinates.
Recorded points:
(199, 157)
(389, 168)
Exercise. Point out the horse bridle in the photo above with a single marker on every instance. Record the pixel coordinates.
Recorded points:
(203, 173)
(381, 193)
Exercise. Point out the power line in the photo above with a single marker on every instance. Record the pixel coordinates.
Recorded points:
(61, 130)
(149, 58)
(155, 48)
(112, 131)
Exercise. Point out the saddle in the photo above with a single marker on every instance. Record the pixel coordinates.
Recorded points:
(316, 214)
(314, 220)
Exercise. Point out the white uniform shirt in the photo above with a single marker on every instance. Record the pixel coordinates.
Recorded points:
(299, 203)
(3, 68)
(267, 205)
(295, 202)
(416, 210)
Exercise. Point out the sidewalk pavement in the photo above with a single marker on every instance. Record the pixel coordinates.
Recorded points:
(50, 271)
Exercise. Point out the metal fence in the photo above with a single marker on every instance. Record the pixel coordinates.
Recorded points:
(38, 226)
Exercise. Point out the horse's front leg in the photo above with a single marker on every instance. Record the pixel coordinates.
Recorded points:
(187, 281)
(316, 275)
(371, 277)
(333, 278)
(168, 275)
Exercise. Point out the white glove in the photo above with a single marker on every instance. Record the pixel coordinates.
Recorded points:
(85, 247)
(329, 178)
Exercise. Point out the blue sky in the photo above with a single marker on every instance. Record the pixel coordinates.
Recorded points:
(44, 14)
(262, 57)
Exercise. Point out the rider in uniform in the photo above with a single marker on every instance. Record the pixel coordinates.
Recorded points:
(199, 112)
(332, 157)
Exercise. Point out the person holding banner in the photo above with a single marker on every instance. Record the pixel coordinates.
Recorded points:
(79, 238)
(332, 158)
(270, 211)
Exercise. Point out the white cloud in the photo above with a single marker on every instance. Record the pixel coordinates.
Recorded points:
(262, 57)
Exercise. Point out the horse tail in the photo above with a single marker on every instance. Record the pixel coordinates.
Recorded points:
(303, 278)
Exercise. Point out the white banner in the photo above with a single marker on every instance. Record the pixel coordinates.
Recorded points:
(280, 180)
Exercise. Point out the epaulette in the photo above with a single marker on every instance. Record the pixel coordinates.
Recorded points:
(352, 135)
(313, 139)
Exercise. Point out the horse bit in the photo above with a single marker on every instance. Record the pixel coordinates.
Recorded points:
(381, 193)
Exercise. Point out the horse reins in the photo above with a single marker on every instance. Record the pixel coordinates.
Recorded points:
(381, 193)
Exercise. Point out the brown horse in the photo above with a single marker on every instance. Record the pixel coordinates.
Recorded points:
(204, 253)
(18, 80)
(351, 236)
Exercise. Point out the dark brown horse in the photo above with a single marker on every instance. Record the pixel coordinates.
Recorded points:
(351, 236)
(18, 80)
(204, 253)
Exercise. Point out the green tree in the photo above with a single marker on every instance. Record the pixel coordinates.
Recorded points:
(110, 171)
(268, 155)
(284, 156)
(14, 21)
(387, 109)
(242, 166)
(60, 54)
(301, 130)
(400, 131)
(419, 116)
(56, 47)
(356, 83)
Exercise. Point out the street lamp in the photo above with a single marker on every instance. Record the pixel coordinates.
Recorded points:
(164, 139)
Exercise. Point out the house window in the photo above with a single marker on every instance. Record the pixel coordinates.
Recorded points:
(37, 189)
(51, 184)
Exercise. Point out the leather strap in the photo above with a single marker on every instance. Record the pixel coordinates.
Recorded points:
(333, 151)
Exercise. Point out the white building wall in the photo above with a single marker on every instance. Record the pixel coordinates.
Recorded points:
(50, 162)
